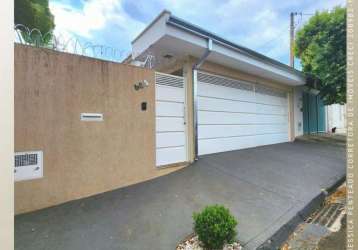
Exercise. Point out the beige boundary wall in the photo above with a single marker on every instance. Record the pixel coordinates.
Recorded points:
(81, 158)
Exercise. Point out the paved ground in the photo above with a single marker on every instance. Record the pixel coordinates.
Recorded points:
(264, 187)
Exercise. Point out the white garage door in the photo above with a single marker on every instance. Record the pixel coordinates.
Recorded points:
(170, 119)
(233, 114)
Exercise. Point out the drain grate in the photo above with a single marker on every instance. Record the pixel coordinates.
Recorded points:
(330, 215)
(323, 222)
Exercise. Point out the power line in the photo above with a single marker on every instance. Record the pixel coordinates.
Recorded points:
(279, 36)
(300, 21)
(283, 32)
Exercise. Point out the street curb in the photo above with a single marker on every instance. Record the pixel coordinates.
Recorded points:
(282, 234)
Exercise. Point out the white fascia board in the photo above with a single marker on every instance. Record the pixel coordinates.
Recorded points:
(186, 36)
(225, 51)
(160, 28)
(150, 35)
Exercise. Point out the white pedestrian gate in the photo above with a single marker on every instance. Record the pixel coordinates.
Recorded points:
(233, 114)
(171, 136)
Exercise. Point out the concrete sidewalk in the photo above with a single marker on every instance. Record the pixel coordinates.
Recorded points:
(264, 187)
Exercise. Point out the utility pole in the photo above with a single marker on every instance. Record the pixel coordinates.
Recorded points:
(292, 38)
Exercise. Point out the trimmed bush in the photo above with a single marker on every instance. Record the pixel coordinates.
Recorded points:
(215, 226)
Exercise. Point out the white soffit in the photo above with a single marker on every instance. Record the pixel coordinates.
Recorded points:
(163, 37)
(150, 35)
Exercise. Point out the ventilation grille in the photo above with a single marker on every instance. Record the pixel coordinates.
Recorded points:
(223, 81)
(26, 160)
(169, 80)
(269, 91)
(28, 165)
(233, 83)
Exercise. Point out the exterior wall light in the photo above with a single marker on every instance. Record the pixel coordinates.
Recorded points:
(141, 85)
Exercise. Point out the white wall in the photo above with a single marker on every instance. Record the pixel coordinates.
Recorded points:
(297, 110)
(336, 117)
(7, 125)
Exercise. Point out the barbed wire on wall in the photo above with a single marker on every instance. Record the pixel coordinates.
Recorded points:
(67, 44)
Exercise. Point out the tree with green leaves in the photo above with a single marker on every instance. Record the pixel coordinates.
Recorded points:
(321, 46)
(35, 14)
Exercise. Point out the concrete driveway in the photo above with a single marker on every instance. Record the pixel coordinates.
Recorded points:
(264, 187)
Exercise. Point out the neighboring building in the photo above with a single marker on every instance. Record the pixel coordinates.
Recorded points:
(336, 118)
(320, 118)
(231, 98)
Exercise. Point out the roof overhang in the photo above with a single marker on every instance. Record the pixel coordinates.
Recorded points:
(169, 35)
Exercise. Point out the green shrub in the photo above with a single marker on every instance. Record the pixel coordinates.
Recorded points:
(215, 226)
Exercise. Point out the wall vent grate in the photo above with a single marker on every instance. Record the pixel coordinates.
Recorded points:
(238, 84)
(28, 165)
(169, 80)
(224, 81)
(26, 160)
(259, 88)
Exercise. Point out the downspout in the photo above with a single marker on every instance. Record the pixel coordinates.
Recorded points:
(195, 68)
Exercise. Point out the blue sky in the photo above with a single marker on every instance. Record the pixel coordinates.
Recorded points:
(259, 25)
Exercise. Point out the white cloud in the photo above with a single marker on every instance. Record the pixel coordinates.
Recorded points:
(256, 24)
(251, 23)
(94, 16)
(264, 25)
(80, 22)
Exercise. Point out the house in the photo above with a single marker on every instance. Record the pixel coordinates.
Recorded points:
(224, 96)
(85, 126)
